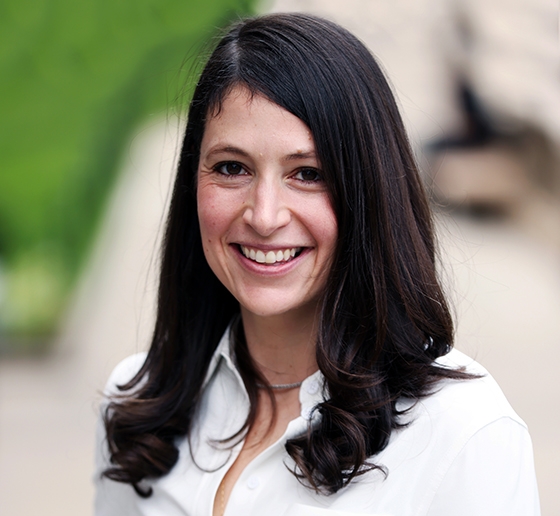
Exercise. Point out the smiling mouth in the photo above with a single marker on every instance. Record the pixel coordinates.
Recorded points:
(270, 257)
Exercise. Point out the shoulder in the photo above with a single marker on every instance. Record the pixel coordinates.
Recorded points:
(457, 443)
(470, 403)
(440, 425)
(478, 445)
(457, 409)
(124, 371)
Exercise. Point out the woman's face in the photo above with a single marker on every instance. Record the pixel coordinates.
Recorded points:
(267, 225)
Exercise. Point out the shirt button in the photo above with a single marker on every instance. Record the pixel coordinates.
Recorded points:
(312, 387)
(253, 482)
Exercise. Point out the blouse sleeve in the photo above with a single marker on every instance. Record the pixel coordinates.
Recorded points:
(493, 475)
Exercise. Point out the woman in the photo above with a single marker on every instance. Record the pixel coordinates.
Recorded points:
(301, 361)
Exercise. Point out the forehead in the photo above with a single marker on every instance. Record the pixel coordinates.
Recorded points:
(252, 120)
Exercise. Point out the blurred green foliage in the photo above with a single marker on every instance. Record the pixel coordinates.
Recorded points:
(75, 78)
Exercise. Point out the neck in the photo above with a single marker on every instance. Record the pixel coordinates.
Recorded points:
(282, 347)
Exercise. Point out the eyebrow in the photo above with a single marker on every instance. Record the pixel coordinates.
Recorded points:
(301, 155)
(230, 149)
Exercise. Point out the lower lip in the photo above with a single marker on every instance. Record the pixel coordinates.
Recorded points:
(274, 269)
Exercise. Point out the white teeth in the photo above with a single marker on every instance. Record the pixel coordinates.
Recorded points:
(270, 257)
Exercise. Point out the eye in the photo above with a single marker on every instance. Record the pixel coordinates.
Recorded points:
(229, 168)
(309, 175)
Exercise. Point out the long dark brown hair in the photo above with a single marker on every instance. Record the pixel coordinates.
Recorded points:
(384, 318)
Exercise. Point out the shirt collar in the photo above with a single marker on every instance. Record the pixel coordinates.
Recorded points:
(311, 391)
(224, 351)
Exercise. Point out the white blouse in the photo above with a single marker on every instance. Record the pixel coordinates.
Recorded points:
(464, 453)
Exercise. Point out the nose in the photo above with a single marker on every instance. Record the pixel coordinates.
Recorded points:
(266, 210)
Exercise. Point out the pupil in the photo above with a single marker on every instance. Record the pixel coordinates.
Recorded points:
(233, 168)
(309, 175)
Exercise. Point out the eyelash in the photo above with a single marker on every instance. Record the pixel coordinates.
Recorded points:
(219, 168)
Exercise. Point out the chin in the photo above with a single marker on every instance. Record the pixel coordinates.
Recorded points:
(262, 307)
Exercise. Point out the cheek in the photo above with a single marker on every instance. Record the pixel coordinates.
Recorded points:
(331, 228)
(216, 215)
(325, 227)
(208, 207)
(208, 218)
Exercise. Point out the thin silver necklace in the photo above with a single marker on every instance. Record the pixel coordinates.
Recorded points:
(280, 386)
